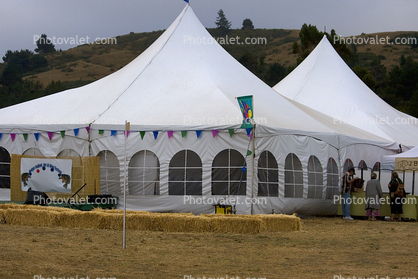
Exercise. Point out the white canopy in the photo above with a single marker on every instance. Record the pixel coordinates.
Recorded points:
(325, 83)
(185, 81)
(388, 161)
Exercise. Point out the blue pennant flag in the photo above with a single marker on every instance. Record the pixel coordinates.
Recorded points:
(198, 133)
(187, 1)
(113, 132)
(155, 134)
(243, 169)
(76, 132)
(36, 136)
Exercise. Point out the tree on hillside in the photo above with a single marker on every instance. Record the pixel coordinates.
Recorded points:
(223, 25)
(44, 45)
(247, 24)
(310, 36)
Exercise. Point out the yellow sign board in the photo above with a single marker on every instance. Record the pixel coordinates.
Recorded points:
(406, 164)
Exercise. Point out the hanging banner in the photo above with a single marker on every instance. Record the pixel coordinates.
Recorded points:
(46, 175)
(246, 106)
(406, 164)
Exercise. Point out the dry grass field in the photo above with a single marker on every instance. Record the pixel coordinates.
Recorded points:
(324, 248)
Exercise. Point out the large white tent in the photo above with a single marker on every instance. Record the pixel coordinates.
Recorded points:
(324, 82)
(185, 150)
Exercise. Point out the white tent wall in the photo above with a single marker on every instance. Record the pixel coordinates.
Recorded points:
(48, 147)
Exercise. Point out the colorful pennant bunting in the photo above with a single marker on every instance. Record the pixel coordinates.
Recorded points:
(183, 134)
(13, 136)
(50, 135)
(214, 133)
(101, 132)
(249, 152)
(1, 134)
(36, 136)
(170, 134)
(155, 134)
(142, 134)
(198, 133)
(62, 134)
(25, 137)
(88, 129)
(76, 132)
(113, 132)
(231, 132)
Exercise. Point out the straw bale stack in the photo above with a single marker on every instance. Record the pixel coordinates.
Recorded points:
(2, 217)
(34, 215)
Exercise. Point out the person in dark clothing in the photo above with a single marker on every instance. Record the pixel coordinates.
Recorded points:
(396, 202)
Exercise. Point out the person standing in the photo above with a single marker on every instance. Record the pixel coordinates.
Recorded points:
(396, 201)
(373, 195)
(347, 181)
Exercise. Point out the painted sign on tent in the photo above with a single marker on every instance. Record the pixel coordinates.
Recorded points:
(46, 175)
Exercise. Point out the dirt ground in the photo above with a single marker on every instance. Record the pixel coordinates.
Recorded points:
(325, 248)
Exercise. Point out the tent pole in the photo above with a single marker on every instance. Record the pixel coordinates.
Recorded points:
(413, 182)
(252, 168)
(124, 186)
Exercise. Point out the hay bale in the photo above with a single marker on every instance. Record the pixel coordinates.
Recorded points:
(280, 222)
(2, 216)
(33, 217)
(80, 219)
(240, 225)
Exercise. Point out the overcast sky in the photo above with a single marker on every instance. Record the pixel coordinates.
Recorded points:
(21, 20)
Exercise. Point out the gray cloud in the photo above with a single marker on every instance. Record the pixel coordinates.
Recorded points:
(21, 20)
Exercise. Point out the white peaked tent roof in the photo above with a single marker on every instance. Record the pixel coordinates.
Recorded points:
(388, 161)
(325, 83)
(184, 79)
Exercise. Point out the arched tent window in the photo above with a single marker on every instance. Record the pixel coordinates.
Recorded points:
(376, 168)
(185, 174)
(332, 179)
(229, 177)
(109, 173)
(293, 177)
(268, 175)
(33, 152)
(315, 178)
(68, 153)
(362, 166)
(144, 174)
(347, 164)
(4, 168)
(77, 166)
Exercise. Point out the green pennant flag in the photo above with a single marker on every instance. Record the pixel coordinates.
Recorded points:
(183, 134)
(101, 132)
(62, 134)
(25, 136)
(249, 152)
(231, 132)
(142, 134)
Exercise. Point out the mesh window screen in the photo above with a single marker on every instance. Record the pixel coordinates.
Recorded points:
(293, 176)
(185, 174)
(228, 177)
(268, 175)
(332, 179)
(315, 178)
(109, 173)
(144, 174)
(4, 168)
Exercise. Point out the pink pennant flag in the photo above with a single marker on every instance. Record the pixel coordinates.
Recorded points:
(13, 136)
(170, 134)
(214, 133)
(50, 134)
(127, 133)
(88, 129)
